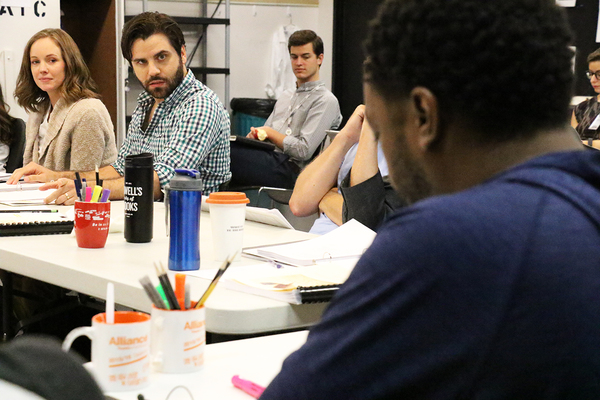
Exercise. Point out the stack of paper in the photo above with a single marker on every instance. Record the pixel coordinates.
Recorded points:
(23, 193)
(348, 242)
(326, 262)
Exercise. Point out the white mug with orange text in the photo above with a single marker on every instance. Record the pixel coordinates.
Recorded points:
(178, 340)
(120, 351)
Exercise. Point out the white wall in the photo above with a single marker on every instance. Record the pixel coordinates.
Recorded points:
(252, 28)
(15, 31)
(325, 30)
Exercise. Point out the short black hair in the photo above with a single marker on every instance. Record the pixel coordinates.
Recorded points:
(503, 67)
(146, 24)
(306, 36)
(594, 56)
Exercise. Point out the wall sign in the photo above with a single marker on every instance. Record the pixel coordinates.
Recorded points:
(22, 8)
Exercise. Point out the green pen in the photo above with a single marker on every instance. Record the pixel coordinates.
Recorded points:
(160, 290)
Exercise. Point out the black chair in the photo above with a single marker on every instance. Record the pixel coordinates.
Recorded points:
(15, 155)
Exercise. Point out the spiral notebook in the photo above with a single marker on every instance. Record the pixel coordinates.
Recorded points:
(34, 223)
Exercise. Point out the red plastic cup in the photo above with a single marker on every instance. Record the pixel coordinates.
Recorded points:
(92, 221)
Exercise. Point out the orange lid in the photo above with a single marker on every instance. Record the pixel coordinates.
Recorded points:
(227, 198)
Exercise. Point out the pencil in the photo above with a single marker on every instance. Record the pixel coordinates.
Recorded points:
(213, 283)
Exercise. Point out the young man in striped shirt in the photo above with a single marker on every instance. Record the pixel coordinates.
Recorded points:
(296, 126)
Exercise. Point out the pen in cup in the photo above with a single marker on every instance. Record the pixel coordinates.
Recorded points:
(152, 293)
(98, 180)
(78, 185)
(163, 296)
(105, 195)
(188, 297)
(83, 188)
(166, 285)
(180, 290)
(96, 194)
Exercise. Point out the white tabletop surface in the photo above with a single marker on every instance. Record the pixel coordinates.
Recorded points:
(257, 360)
(58, 260)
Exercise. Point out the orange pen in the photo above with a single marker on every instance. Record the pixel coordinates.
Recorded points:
(180, 290)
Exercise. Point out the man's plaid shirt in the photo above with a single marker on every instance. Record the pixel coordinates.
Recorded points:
(189, 129)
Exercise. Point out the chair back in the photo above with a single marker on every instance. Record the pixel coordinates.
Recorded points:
(17, 148)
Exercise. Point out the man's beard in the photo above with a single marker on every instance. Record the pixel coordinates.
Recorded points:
(407, 176)
(171, 84)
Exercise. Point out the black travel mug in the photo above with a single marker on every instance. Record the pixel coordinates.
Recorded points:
(139, 197)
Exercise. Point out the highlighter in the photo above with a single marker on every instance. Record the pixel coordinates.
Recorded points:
(160, 290)
(249, 387)
(180, 290)
(105, 195)
(96, 194)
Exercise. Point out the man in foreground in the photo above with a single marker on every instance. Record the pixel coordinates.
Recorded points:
(489, 286)
(177, 119)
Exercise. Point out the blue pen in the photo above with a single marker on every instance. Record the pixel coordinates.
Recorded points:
(78, 185)
(105, 195)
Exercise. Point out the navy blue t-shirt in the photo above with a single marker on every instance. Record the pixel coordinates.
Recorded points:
(489, 293)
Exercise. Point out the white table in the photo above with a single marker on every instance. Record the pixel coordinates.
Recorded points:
(58, 260)
(258, 360)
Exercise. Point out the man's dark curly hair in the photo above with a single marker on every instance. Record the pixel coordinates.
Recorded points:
(146, 24)
(503, 67)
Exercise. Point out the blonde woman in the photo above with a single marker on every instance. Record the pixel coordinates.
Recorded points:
(69, 128)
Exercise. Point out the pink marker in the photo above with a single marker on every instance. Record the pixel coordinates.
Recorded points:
(251, 388)
(88, 193)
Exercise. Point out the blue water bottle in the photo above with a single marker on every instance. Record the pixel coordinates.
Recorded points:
(183, 199)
